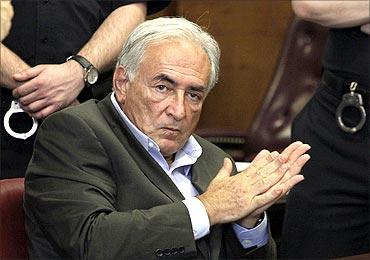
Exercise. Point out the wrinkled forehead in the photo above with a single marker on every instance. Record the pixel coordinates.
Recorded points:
(170, 45)
(180, 54)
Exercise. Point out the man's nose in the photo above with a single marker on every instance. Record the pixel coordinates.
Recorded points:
(177, 107)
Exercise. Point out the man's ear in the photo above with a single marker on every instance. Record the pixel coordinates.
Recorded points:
(120, 83)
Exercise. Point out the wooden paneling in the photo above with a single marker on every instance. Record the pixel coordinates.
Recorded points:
(250, 34)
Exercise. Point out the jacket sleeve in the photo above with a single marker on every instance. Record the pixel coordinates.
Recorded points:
(71, 194)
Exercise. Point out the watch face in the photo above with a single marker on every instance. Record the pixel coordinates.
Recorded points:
(92, 76)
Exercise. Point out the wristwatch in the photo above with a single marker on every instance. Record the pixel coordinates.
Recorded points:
(91, 74)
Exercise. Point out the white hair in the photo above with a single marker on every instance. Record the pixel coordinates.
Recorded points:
(156, 30)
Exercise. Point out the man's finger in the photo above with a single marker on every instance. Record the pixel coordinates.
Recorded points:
(261, 161)
(261, 155)
(270, 197)
(36, 106)
(45, 112)
(265, 182)
(28, 73)
(298, 152)
(299, 163)
(267, 198)
(272, 166)
(288, 150)
(30, 98)
(289, 184)
(25, 89)
(295, 168)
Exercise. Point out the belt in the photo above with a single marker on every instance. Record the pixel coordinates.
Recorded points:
(352, 95)
(341, 86)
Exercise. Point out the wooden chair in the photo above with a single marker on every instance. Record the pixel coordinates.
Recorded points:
(296, 78)
(294, 81)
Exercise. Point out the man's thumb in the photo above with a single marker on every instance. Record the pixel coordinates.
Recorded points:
(226, 169)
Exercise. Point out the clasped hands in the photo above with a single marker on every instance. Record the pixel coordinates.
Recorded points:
(45, 89)
(243, 197)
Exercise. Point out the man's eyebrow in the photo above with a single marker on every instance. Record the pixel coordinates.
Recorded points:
(199, 88)
(164, 77)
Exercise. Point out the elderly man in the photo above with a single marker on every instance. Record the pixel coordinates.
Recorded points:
(126, 177)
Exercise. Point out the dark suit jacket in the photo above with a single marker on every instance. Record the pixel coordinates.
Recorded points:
(92, 191)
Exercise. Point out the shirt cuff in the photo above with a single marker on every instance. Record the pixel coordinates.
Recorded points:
(198, 216)
(257, 236)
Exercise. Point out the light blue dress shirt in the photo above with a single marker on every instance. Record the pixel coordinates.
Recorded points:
(180, 174)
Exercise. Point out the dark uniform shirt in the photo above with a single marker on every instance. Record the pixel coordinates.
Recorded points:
(47, 32)
(347, 54)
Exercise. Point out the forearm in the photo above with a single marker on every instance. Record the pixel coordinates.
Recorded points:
(106, 43)
(337, 14)
(10, 63)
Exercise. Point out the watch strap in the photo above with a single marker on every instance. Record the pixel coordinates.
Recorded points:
(81, 60)
(90, 72)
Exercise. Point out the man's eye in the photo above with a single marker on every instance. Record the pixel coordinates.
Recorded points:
(161, 88)
(194, 96)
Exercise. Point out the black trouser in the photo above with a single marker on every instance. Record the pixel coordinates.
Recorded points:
(327, 215)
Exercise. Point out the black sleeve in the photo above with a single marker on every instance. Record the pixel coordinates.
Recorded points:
(154, 6)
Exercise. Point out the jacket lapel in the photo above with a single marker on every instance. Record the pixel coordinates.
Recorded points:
(199, 176)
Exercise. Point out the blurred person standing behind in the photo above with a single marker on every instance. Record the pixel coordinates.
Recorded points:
(328, 214)
(76, 43)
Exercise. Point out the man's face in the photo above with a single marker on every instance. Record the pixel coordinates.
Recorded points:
(165, 98)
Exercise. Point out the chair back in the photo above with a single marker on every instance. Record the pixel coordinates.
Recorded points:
(13, 244)
(294, 82)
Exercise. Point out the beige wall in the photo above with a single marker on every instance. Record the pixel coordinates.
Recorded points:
(251, 34)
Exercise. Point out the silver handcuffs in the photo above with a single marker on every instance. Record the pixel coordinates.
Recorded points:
(16, 108)
(351, 99)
